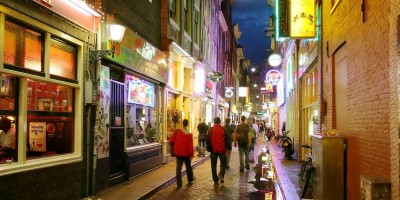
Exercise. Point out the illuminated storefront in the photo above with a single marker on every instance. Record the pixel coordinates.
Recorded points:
(41, 98)
(130, 103)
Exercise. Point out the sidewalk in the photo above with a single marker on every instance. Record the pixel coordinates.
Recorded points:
(146, 185)
(286, 170)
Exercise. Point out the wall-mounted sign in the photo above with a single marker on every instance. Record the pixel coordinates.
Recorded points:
(199, 81)
(229, 92)
(274, 60)
(302, 19)
(140, 91)
(216, 76)
(273, 77)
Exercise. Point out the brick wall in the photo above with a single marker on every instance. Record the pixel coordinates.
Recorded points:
(394, 101)
(368, 94)
(141, 16)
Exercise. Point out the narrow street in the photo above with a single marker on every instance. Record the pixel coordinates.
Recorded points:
(235, 186)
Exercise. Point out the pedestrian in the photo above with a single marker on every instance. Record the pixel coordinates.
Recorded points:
(220, 144)
(202, 128)
(182, 142)
(243, 140)
(229, 130)
(255, 127)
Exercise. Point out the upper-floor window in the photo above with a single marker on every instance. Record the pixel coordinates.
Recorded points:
(172, 9)
(23, 46)
(186, 16)
(196, 32)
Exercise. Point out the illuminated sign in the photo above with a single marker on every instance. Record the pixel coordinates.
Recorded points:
(199, 80)
(229, 92)
(243, 91)
(274, 60)
(216, 76)
(280, 94)
(140, 91)
(302, 19)
(273, 77)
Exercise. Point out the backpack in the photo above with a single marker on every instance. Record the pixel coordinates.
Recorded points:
(242, 139)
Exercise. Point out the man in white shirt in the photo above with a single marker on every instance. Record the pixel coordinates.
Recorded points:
(7, 138)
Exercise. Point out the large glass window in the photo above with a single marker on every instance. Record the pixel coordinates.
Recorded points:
(38, 105)
(141, 126)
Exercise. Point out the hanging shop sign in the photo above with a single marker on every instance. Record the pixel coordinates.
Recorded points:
(243, 91)
(282, 25)
(229, 92)
(302, 19)
(273, 77)
(199, 81)
(274, 60)
(216, 76)
(139, 55)
(209, 87)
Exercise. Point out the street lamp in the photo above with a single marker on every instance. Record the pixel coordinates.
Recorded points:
(253, 69)
(115, 33)
(255, 85)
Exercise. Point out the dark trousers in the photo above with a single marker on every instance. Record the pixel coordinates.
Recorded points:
(214, 158)
(189, 171)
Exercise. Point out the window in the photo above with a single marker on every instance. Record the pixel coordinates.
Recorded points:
(186, 18)
(62, 59)
(172, 9)
(196, 32)
(141, 119)
(23, 47)
(40, 102)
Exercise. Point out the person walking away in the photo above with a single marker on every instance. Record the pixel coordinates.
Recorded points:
(220, 144)
(7, 138)
(243, 140)
(202, 128)
(229, 130)
(182, 141)
(255, 127)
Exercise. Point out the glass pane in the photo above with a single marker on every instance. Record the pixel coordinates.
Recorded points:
(49, 136)
(7, 99)
(22, 47)
(49, 97)
(8, 140)
(62, 59)
(141, 127)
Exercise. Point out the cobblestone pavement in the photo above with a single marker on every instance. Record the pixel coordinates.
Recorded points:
(235, 186)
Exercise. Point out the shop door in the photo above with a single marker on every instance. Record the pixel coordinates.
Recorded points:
(117, 154)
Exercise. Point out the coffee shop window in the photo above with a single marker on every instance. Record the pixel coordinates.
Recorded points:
(50, 119)
(141, 127)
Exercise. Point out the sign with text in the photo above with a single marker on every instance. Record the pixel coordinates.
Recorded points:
(302, 19)
(243, 91)
(37, 136)
(229, 92)
(216, 76)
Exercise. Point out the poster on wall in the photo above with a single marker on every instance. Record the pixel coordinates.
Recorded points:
(140, 91)
(37, 136)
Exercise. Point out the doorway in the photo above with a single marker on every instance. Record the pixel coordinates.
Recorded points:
(340, 90)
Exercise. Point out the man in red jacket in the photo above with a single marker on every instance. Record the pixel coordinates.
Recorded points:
(182, 142)
(220, 144)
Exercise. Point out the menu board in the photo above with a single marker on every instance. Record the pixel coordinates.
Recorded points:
(37, 136)
(140, 91)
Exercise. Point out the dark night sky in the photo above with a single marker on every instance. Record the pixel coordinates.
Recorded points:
(252, 17)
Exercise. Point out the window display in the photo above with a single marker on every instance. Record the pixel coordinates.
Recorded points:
(140, 116)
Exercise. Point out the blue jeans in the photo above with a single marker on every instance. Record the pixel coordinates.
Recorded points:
(244, 162)
(214, 159)
(189, 171)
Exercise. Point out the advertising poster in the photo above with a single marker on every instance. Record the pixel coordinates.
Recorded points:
(140, 91)
(37, 136)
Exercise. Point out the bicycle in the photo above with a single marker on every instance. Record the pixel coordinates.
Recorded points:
(283, 134)
(305, 173)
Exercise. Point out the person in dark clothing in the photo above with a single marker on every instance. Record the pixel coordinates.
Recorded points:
(229, 130)
(182, 142)
(220, 144)
(244, 150)
(202, 128)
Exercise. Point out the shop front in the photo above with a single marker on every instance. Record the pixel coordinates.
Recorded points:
(41, 101)
(129, 120)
